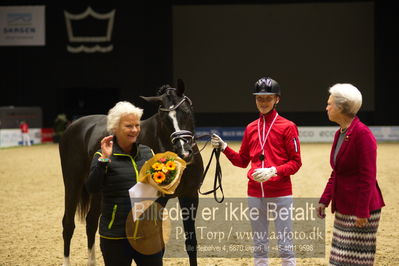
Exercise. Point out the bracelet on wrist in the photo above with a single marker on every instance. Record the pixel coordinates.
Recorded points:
(104, 160)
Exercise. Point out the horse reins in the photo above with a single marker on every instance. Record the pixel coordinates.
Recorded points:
(187, 136)
(217, 183)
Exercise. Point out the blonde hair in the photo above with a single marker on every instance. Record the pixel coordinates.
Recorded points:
(120, 109)
(347, 97)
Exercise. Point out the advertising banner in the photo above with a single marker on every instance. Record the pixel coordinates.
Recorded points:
(47, 135)
(306, 134)
(22, 25)
(13, 137)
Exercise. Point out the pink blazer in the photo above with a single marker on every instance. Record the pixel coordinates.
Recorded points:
(353, 187)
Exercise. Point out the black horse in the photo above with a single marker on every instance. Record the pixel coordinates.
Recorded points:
(170, 129)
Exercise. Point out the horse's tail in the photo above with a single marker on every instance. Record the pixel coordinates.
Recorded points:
(83, 203)
(75, 169)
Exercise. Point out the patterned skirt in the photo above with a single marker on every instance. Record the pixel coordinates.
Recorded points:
(353, 245)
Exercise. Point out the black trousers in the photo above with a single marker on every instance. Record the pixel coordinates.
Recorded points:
(121, 253)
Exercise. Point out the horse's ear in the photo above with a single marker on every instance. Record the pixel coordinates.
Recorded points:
(152, 99)
(180, 87)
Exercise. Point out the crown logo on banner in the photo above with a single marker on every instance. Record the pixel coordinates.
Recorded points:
(89, 32)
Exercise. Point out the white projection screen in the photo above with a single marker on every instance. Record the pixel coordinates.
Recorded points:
(221, 50)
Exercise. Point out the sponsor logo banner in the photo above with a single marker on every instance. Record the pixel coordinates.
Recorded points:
(13, 137)
(22, 26)
(226, 133)
(306, 134)
(47, 135)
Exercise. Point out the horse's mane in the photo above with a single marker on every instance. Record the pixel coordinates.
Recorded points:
(163, 89)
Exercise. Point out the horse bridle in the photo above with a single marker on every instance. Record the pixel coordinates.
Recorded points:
(185, 135)
(185, 98)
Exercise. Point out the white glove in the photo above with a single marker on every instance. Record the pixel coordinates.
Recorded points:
(264, 174)
(217, 142)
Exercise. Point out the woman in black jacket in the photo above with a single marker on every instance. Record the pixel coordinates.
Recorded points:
(114, 170)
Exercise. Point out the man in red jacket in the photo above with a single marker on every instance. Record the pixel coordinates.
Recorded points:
(271, 144)
(25, 133)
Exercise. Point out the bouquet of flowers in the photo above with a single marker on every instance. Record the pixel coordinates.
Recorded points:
(163, 171)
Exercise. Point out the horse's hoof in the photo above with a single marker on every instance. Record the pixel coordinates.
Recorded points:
(66, 262)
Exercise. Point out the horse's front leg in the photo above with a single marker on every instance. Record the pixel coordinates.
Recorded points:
(191, 205)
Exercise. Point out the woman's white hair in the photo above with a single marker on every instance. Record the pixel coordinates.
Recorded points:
(347, 97)
(120, 109)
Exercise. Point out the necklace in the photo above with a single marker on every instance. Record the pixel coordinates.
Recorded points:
(347, 123)
(263, 138)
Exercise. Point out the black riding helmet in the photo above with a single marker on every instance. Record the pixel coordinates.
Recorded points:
(266, 86)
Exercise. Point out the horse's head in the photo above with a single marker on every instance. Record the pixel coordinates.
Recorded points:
(176, 115)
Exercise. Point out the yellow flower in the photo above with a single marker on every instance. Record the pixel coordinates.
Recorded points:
(159, 177)
(164, 169)
(171, 165)
(157, 166)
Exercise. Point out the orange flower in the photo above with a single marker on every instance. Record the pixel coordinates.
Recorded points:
(157, 166)
(159, 177)
(171, 165)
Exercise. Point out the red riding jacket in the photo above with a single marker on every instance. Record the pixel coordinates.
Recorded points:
(281, 150)
(24, 128)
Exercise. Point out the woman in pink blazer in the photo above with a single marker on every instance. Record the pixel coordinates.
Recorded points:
(352, 188)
